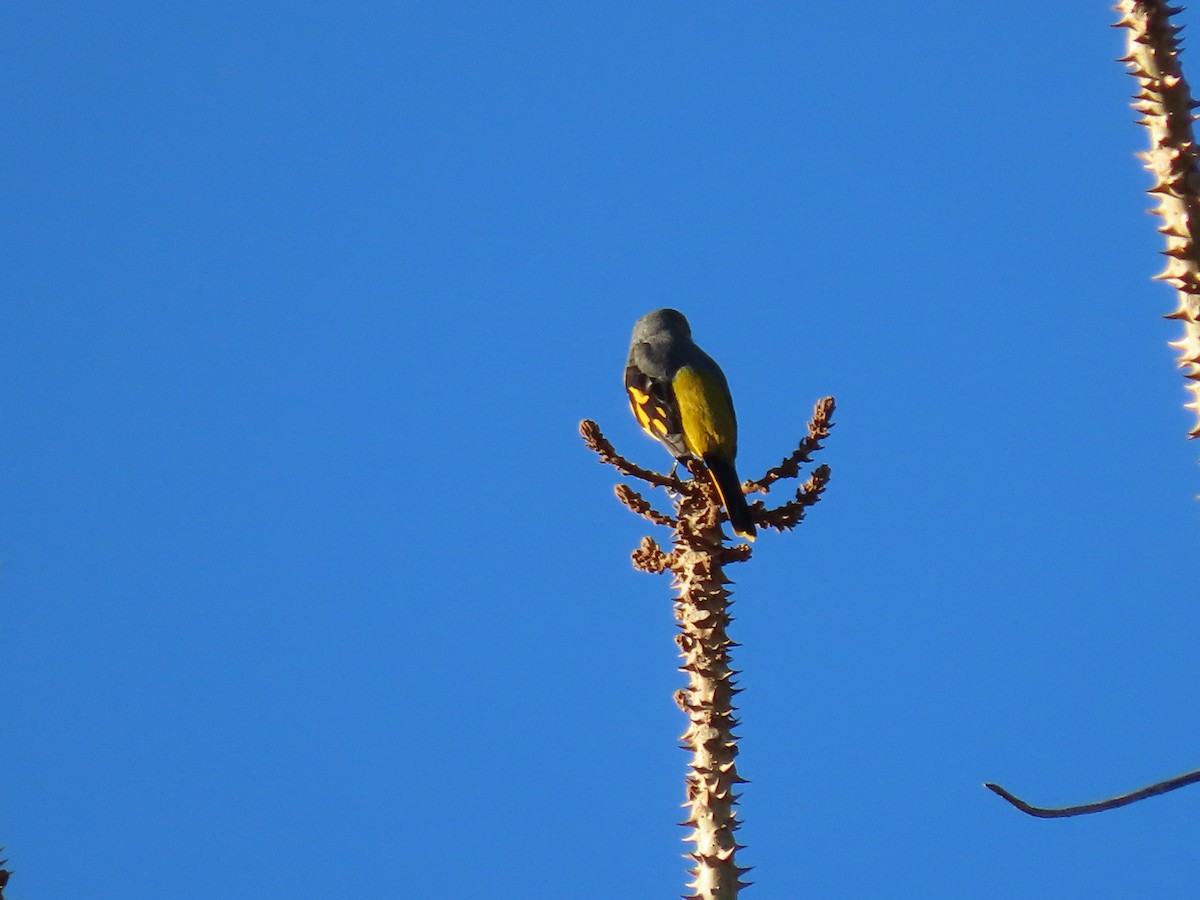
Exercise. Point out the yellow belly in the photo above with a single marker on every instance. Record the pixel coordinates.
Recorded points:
(707, 417)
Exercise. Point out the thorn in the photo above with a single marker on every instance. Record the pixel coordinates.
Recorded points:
(1181, 252)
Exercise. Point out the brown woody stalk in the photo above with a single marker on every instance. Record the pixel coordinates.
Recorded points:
(1166, 105)
(697, 561)
(702, 612)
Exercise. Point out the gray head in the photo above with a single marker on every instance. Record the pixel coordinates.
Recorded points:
(662, 321)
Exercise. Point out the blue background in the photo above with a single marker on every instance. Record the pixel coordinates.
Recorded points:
(308, 585)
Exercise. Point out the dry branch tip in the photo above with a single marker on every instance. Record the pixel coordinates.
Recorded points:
(1063, 812)
(818, 430)
(595, 440)
(638, 504)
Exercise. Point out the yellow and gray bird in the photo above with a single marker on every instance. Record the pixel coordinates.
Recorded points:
(681, 399)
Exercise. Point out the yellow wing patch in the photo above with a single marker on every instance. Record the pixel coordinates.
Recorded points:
(638, 400)
(653, 405)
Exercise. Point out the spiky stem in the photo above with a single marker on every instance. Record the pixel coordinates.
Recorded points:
(702, 611)
(1165, 103)
(697, 560)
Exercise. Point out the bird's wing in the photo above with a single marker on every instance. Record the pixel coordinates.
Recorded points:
(653, 403)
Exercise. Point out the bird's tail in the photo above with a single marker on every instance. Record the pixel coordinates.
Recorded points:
(729, 486)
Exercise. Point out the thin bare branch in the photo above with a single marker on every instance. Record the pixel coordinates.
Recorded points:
(1162, 787)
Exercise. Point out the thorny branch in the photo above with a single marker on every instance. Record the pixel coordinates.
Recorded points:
(781, 518)
(702, 606)
(602, 447)
(818, 430)
(638, 504)
(1165, 103)
(789, 515)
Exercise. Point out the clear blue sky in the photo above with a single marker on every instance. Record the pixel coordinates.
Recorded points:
(308, 585)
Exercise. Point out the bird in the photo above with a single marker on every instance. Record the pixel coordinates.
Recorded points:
(680, 398)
